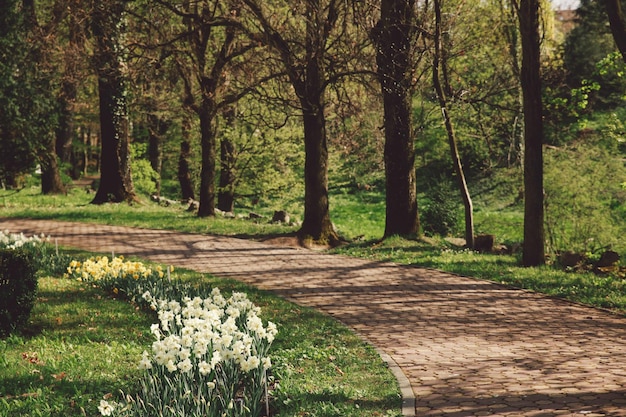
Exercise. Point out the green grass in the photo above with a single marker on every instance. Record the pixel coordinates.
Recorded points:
(357, 216)
(508, 226)
(82, 345)
(600, 291)
(75, 206)
(321, 367)
(79, 346)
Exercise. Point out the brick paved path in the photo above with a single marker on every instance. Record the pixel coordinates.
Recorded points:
(468, 347)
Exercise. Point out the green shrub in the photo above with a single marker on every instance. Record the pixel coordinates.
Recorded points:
(144, 177)
(583, 189)
(441, 209)
(18, 288)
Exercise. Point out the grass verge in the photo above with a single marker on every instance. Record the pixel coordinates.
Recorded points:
(359, 217)
(600, 291)
(83, 345)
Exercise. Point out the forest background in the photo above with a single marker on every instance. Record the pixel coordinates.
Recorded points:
(232, 103)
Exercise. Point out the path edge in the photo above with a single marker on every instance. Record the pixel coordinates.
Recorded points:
(409, 402)
(408, 397)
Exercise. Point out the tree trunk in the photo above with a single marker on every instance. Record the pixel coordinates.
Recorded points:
(51, 182)
(184, 165)
(316, 224)
(69, 85)
(40, 52)
(65, 130)
(209, 154)
(86, 152)
(157, 128)
(393, 35)
(454, 152)
(116, 183)
(534, 245)
(226, 189)
(618, 26)
(226, 193)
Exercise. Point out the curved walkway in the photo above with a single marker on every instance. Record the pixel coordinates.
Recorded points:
(468, 347)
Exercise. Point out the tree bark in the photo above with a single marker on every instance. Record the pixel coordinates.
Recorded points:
(157, 128)
(51, 182)
(393, 35)
(226, 193)
(209, 154)
(78, 157)
(65, 130)
(226, 189)
(534, 244)
(316, 223)
(69, 84)
(116, 183)
(310, 90)
(454, 152)
(184, 165)
(618, 25)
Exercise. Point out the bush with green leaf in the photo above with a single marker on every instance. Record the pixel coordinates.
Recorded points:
(583, 186)
(441, 209)
(145, 178)
(18, 288)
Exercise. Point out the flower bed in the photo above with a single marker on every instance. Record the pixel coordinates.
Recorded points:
(210, 354)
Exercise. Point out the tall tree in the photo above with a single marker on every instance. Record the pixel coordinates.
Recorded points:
(157, 129)
(534, 244)
(393, 35)
(17, 151)
(205, 42)
(28, 116)
(41, 39)
(590, 40)
(315, 47)
(73, 62)
(116, 184)
(184, 160)
(226, 192)
(439, 65)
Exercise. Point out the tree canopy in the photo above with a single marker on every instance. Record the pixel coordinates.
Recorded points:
(235, 101)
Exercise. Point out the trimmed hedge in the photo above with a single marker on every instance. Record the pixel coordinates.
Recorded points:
(18, 288)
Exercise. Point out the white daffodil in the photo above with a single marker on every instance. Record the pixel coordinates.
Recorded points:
(145, 362)
(185, 365)
(171, 366)
(106, 408)
(204, 368)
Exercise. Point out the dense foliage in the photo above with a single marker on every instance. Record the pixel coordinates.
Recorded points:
(215, 108)
(18, 288)
(26, 96)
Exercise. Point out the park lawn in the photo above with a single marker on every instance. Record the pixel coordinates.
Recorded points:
(604, 291)
(358, 216)
(83, 345)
